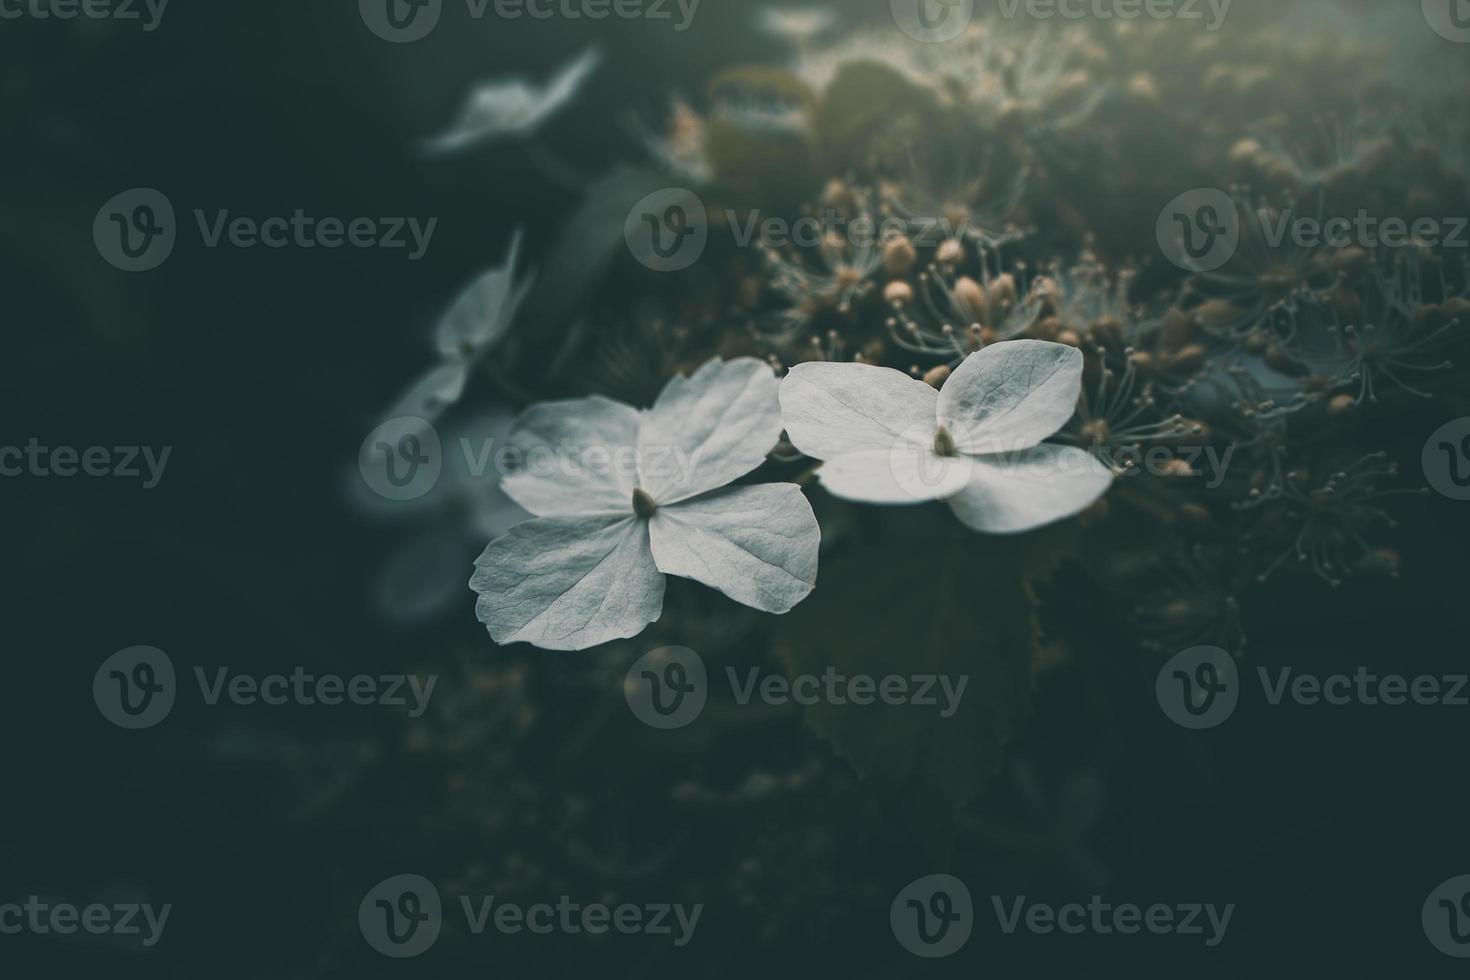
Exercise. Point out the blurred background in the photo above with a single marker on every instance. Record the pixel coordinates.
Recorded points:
(265, 369)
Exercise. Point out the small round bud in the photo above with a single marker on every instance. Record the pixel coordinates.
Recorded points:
(1096, 432)
(898, 292)
(899, 256)
(971, 297)
(950, 251)
(935, 377)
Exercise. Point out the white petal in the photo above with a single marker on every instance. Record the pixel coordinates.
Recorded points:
(905, 474)
(513, 107)
(431, 393)
(1011, 395)
(756, 544)
(568, 583)
(483, 313)
(830, 409)
(574, 457)
(708, 429)
(1020, 491)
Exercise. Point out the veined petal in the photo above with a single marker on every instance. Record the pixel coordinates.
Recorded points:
(574, 457)
(756, 544)
(568, 583)
(832, 409)
(1011, 395)
(708, 429)
(1020, 491)
(905, 474)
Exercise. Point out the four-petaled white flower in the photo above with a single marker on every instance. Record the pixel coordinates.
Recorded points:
(977, 443)
(624, 497)
(513, 107)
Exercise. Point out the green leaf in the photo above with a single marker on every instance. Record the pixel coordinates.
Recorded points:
(948, 602)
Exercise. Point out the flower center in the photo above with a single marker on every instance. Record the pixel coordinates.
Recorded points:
(943, 442)
(643, 504)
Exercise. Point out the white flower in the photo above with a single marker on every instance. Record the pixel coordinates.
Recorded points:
(475, 323)
(624, 497)
(889, 439)
(797, 25)
(513, 107)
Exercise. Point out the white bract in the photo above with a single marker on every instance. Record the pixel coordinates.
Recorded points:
(513, 108)
(887, 438)
(624, 497)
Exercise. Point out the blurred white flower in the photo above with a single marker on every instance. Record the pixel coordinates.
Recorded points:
(624, 497)
(797, 25)
(475, 323)
(513, 107)
(887, 438)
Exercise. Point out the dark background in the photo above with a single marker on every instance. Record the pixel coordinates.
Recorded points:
(264, 369)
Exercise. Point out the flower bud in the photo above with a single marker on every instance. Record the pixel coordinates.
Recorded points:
(898, 292)
(899, 256)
